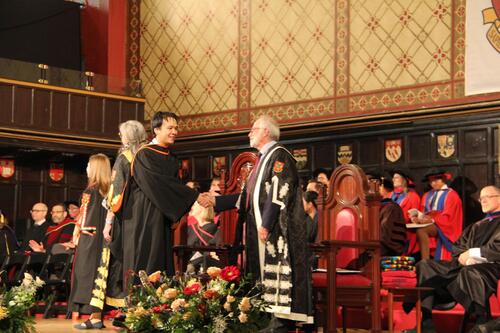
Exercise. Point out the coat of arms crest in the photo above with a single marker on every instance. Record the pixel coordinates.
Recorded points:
(393, 149)
(7, 168)
(446, 145)
(344, 154)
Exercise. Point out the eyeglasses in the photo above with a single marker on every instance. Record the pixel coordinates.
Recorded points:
(57, 212)
(37, 210)
(253, 129)
(484, 197)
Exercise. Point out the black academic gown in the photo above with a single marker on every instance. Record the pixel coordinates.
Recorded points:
(392, 229)
(466, 284)
(109, 285)
(88, 252)
(154, 198)
(275, 202)
(36, 233)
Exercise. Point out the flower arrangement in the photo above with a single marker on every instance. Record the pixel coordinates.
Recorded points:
(218, 301)
(14, 304)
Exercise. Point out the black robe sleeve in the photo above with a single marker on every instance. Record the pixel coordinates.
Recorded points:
(155, 172)
(226, 202)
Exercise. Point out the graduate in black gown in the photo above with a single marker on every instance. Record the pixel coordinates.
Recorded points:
(153, 200)
(203, 230)
(472, 274)
(109, 286)
(89, 241)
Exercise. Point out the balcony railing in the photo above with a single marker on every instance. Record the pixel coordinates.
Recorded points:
(68, 78)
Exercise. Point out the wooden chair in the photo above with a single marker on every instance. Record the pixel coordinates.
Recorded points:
(230, 248)
(350, 223)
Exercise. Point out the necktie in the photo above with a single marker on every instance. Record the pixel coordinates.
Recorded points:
(252, 178)
(434, 199)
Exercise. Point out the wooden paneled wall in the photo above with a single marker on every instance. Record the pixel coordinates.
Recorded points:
(33, 107)
(474, 163)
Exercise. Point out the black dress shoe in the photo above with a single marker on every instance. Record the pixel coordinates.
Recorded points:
(88, 325)
(276, 325)
(444, 306)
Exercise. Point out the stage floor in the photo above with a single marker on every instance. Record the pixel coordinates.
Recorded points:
(60, 325)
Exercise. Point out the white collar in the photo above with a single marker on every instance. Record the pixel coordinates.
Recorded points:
(39, 223)
(263, 151)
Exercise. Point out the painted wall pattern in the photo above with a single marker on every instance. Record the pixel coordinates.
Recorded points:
(221, 63)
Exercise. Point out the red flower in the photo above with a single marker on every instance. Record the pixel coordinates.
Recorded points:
(160, 308)
(192, 289)
(230, 273)
(210, 294)
(201, 308)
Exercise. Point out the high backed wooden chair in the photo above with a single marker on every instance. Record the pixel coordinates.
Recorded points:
(350, 222)
(230, 247)
(240, 169)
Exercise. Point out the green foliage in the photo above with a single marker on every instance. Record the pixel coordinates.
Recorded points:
(15, 303)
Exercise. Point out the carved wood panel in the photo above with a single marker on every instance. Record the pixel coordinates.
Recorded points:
(22, 106)
(5, 104)
(60, 111)
(41, 109)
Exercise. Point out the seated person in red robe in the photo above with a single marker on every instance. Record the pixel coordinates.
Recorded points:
(442, 208)
(60, 231)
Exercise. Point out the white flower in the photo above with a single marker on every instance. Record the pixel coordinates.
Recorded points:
(28, 279)
(39, 282)
(243, 317)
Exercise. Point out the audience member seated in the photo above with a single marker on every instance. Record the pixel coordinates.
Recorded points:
(193, 184)
(311, 210)
(392, 226)
(392, 222)
(59, 232)
(313, 186)
(442, 210)
(202, 231)
(322, 176)
(472, 274)
(214, 186)
(73, 209)
(8, 242)
(309, 201)
(37, 231)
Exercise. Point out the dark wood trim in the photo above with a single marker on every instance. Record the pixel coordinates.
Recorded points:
(71, 90)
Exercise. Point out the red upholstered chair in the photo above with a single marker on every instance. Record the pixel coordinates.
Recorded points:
(350, 225)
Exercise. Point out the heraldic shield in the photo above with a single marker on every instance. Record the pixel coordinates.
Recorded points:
(7, 168)
(446, 145)
(393, 149)
(344, 154)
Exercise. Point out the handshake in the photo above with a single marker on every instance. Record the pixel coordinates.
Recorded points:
(206, 200)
